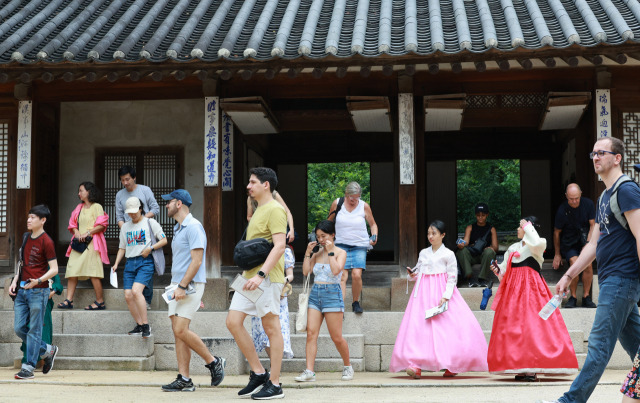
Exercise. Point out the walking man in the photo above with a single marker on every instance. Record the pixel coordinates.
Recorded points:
(575, 219)
(189, 274)
(269, 221)
(130, 189)
(615, 246)
(39, 264)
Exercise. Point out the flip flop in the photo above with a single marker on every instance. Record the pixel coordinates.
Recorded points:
(66, 304)
(100, 306)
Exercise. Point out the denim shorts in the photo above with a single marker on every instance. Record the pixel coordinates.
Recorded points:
(326, 298)
(356, 256)
(137, 270)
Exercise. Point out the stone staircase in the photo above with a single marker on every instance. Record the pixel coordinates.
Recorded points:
(98, 339)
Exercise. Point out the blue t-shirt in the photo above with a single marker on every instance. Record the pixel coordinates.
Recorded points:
(617, 253)
(190, 235)
(572, 220)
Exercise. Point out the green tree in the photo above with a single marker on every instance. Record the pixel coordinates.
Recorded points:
(326, 182)
(495, 182)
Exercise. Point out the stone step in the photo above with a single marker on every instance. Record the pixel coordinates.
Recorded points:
(326, 348)
(106, 363)
(103, 345)
(298, 365)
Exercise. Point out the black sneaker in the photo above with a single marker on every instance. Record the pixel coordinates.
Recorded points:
(137, 331)
(146, 330)
(473, 283)
(255, 383)
(24, 374)
(587, 302)
(48, 362)
(482, 282)
(269, 391)
(217, 370)
(571, 303)
(179, 385)
(356, 307)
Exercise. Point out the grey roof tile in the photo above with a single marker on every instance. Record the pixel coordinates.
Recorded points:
(208, 30)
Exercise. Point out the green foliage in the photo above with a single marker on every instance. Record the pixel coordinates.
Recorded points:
(495, 182)
(326, 182)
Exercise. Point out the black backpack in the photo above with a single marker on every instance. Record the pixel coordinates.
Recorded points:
(338, 207)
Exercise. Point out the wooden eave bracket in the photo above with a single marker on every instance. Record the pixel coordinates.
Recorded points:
(565, 100)
(447, 112)
(369, 103)
(249, 104)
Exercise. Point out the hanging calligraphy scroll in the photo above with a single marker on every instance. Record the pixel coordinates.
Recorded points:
(23, 173)
(211, 125)
(603, 113)
(227, 153)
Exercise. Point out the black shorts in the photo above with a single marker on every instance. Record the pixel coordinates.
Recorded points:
(571, 251)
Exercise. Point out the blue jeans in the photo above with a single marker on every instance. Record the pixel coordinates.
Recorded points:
(29, 309)
(616, 319)
(147, 293)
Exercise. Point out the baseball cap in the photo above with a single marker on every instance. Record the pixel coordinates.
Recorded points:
(132, 205)
(482, 208)
(179, 194)
(637, 167)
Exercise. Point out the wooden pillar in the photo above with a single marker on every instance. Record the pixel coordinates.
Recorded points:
(407, 194)
(212, 211)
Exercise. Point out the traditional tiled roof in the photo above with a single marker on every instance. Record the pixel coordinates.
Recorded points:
(157, 30)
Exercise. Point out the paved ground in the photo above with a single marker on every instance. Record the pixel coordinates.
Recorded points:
(118, 386)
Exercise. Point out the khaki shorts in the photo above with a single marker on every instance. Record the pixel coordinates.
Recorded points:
(269, 301)
(187, 307)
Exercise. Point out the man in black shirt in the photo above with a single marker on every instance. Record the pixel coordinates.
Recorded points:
(572, 230)
(479, 245)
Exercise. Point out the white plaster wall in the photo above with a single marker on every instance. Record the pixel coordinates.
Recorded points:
(87, 125)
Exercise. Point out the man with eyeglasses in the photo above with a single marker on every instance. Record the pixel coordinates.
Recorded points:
(616, 250)
(575, 219)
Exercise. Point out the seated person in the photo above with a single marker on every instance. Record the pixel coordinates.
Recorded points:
(479, 245)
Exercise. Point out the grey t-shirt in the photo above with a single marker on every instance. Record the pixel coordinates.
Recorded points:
(134, 237)
(143, 193)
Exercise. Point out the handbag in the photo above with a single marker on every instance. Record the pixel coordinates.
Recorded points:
(80, 246)
(18, 271)
(480, 244)
(252, 253)
(303, 304)
(157, 254)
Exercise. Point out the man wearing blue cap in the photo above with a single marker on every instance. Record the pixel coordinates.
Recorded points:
(188, 273)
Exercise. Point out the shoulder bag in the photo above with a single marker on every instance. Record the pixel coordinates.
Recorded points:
(303, 305)
(158, 254)
(251, 253)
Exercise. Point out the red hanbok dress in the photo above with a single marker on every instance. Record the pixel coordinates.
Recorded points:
(521, 341)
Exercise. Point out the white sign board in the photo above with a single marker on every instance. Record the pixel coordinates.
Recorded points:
(407, 138)
(227, 153)
(23, 173)
(211, 125)
(603, 113)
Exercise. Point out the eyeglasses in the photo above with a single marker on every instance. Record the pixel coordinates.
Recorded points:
(354, 198)
(600, 153)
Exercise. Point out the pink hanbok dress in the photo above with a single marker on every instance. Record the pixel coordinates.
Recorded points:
(452, 340)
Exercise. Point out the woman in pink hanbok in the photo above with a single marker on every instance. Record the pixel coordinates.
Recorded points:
(453, 340)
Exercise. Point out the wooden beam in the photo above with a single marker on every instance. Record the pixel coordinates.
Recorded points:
(341, 72)
(293, 72)
(571, 60)
(595, 59)
(247, 74)
(25, 77)
(550, 62)
(226, 74)
(318, 72)
(410, 69)
(180, 75)
(525, 63)
(157, 75)
(272, 72)
(503, 65)
(365, 71)
(481, 66)
(456, 67)
(620, 58)
(47, 77)
(135, 76)
(387, 70)
(434, 68)
(113, 76)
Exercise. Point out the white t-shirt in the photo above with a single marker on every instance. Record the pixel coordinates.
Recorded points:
(134, 237)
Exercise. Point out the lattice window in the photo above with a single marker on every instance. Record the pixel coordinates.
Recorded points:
(4, 174)
(631, 138)
(482, 101)
(532, 100)
(160, 169)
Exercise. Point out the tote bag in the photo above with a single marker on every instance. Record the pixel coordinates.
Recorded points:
(303, 304)
(158, 254)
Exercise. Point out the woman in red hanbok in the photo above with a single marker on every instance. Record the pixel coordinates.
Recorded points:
(522, 343)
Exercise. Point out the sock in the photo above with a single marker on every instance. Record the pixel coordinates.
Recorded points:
(184, 378)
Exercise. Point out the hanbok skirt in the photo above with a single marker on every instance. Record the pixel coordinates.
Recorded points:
(521, 341)
(260, 339)
(452, 340)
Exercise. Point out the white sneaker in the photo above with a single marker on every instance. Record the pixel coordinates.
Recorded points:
(306, 376)
(347, 373)
(148, 307)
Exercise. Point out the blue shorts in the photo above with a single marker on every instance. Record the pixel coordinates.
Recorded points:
(326, 298)
(137, 270)
(356, 256)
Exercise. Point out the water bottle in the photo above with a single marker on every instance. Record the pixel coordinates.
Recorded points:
(551, 306)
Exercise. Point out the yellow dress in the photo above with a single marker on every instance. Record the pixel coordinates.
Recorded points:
(88, 263)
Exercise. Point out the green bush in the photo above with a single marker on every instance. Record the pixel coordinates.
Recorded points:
(326, 182)
(495, 182)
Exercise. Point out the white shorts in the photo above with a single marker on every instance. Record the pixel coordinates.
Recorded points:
(269, 301)
(187, 307)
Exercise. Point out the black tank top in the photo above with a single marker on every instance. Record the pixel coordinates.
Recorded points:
(478, 232)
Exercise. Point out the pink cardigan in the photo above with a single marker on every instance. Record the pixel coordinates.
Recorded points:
(99, 241)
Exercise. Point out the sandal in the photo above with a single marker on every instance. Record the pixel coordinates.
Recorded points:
(66, 304)
(99, 306)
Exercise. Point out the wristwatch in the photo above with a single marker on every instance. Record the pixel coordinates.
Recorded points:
(151, 247)
(261, 274)
(331, 254)
(181, 287)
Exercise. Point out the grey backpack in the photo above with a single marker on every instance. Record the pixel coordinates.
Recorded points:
(613, 201)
